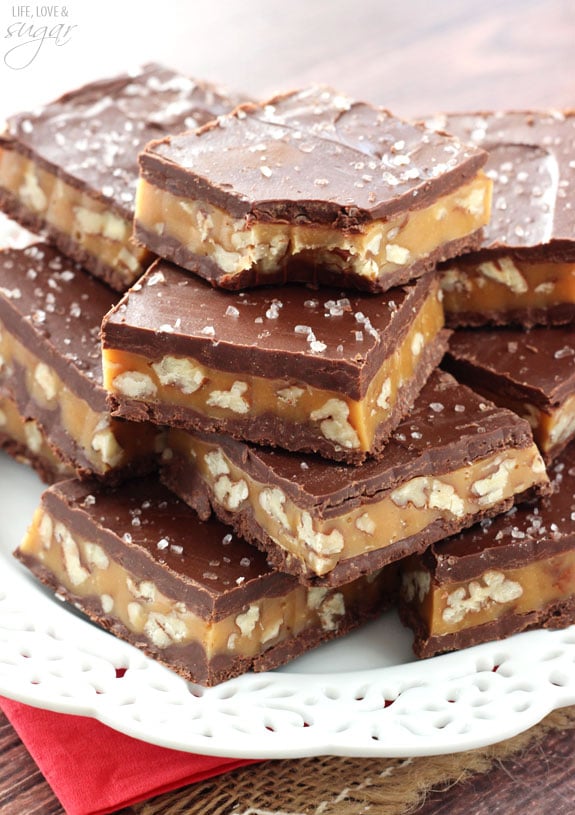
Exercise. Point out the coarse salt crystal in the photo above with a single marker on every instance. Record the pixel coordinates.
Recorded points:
(564, 352)
(155, 278)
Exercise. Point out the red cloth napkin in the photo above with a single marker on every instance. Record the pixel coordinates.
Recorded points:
(94, 770)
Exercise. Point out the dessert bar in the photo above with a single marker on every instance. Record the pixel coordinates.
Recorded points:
(507, 574)
(24, 440)
(70, 169)
(353, 195)
(191, 594)
(287, 366)
(532, 373)
(50, 359)
(453, 461)
(524, 272)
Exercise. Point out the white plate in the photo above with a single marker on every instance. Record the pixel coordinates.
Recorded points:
(361, 695)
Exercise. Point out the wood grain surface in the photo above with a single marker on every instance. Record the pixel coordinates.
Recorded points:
(415, 57)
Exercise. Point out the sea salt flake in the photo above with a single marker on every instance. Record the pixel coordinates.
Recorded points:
(155, 278)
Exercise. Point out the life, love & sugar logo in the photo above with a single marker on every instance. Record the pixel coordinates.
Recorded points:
(32, 30)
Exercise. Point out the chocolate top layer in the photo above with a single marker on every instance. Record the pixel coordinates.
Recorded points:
(449, 427)
(92, 136)
(311, 156)
(516, 538)
(157, 537)
(536, 365)
(532, 164)
(55, 309)
(328, 338)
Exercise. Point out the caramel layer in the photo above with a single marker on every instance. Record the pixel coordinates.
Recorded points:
(379, 521)
(342, 421)
(96, 229)
(106, 443)
(457, 606)
(86, 572)
(506, 284)
(379, 249)
(30, 437)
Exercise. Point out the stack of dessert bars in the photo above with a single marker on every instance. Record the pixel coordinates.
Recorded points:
(225, 353)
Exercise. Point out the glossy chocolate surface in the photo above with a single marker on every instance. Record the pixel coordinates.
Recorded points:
(311, 156)
(156, 536)
(55, 309)
(264, 332)
(91, 136)
(532, 164)
(537, 366)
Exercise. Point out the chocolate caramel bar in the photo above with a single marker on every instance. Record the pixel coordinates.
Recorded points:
(24, 440)
(50, 359)
(505, 575)
(316, 370)
(353, 195)
(530, 372)
(524, 272)
(190, 594)
(453, 461)
(70, 169)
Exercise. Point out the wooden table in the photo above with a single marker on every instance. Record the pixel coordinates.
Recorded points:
(415, 57)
